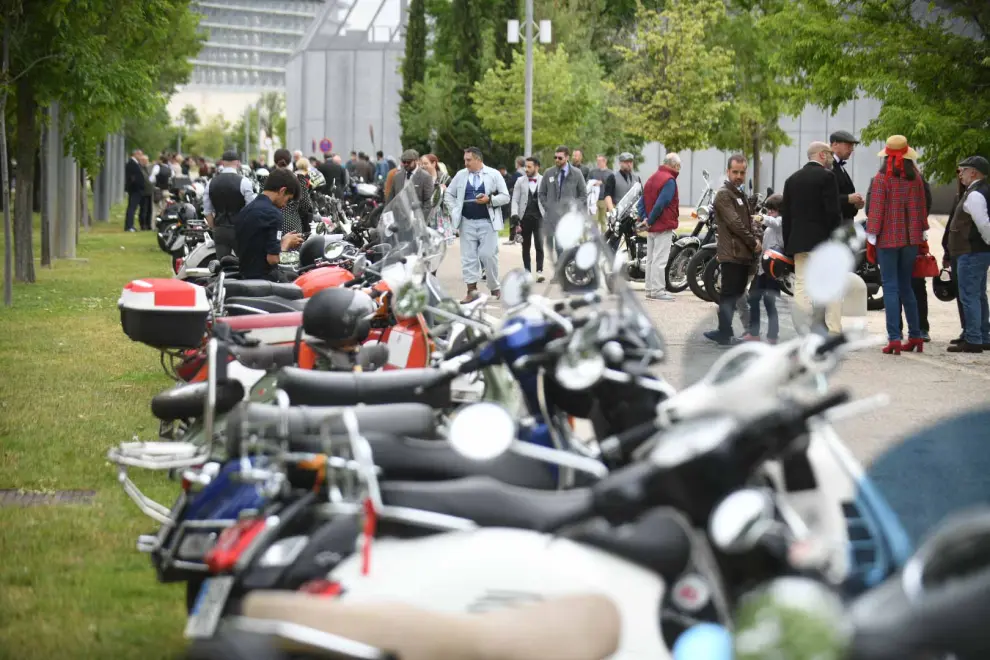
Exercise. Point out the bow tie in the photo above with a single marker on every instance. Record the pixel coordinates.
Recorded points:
(532, 180)
(840, 163)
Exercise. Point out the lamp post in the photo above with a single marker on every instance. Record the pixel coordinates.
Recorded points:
(513, 38)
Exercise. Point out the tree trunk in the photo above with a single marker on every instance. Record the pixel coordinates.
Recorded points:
(84, 201)
(46, 216)
(36, 200)
(27, 144)
(8, 288)
(756, 161)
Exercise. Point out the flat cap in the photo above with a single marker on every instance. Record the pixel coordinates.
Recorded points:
(843, 136)
(410, 154)
(230, 156)
(978, 163)
(625, 157)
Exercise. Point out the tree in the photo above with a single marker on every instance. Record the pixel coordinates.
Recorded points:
(272, 106)
(929, 66)
(235, 133)
(506, 10)
(439, 112)
(559, 110)
(468, 20)
(413, 69)
(211, 138)
(152, 134)
(102, 61)
(672, 82)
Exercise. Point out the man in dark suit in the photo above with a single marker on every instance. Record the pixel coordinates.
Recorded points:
(810, 213)
(134, 186)
(333, 172)
(843, 143)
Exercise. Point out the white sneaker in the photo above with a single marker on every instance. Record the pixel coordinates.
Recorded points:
(665, 297)
(539, 277)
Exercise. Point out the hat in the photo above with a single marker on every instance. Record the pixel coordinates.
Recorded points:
(625, 157)
(896, 143)
(410, 154)
(843, 136)
(229, 156)
(978, 163)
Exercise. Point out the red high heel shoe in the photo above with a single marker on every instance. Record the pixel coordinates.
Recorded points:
(913, 343)
(893, 347)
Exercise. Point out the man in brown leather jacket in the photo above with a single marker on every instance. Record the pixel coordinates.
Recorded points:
(738, 242)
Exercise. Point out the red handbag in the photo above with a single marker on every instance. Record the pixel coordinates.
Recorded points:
(925, 264)
(871, 253)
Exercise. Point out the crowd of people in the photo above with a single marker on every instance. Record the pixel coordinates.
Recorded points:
(478, 201)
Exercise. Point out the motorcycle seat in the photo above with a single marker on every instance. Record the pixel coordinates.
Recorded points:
(261, 289)
(319, 388)
(491, 503)
(573, 626)
(269, 304)
(658, 540)
(187, 400)
(265, 356)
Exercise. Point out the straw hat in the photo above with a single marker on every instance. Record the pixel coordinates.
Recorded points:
(897, 143)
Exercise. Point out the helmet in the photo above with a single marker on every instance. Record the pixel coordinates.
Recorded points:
(777, 264)
(311, 250)
(187, 212)
(339, 315)
(944, 286)
(261, 175)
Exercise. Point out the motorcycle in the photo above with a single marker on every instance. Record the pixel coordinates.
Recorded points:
(621, 234)
(679, 270)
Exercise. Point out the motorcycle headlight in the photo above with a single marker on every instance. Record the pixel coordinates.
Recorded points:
(702, 212)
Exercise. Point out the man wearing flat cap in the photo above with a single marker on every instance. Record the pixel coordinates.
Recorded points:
(843, 143)
(410, 172)
(969, 243)
(618, 183)
(226, 194)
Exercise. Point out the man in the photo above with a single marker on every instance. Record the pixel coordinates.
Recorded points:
(258, 225)
(475, 197)
(134, 186)
(296, 155)
(577, 160)
(810, 213)
(510, 181)
(351, 165)
(561, 189)
(381, 166)
(850, 202)
(161, 176)
(364, 168)
(527, 213)
(618, 183)
(597, 177)
(737, 245)
(334, 174)
(226, 194)
(660, 207)
(969, 243)
(412, 174)
(149, 192)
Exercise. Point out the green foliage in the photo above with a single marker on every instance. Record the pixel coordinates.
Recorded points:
(234, 138)
(673, 85)
(443, 115)
(272, 106)
(211, 138)
(930, 67)
(189, 116)
(467, 23)
(413, 68)
(505, 11)
(152, 134)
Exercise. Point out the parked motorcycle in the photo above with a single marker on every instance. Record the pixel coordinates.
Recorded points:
(622, 236)
(678, 271)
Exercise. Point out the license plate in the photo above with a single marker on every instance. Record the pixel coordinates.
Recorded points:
(206, 612)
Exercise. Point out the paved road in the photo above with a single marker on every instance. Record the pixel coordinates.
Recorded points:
(923, 388)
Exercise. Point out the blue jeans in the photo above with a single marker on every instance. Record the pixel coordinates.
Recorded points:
(896, 267)
(973, 295)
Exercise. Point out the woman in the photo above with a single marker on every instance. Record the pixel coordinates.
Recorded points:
(896, 226)
(297, 213)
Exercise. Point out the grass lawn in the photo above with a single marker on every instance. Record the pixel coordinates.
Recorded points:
(72, 584)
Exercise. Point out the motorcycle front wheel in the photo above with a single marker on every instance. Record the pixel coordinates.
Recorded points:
(677, 267)
(696, 272)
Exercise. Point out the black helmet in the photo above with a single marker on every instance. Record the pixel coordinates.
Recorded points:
(944, 286)
(312, 249)
(338, 315)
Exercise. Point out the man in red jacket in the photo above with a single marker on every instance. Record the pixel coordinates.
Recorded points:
(659, 207)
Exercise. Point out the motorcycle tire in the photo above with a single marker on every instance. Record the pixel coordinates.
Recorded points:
(696, 272)
(634, 273)
(712, 277)
(676, 271)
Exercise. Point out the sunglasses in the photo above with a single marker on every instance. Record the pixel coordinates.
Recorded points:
(560, 157)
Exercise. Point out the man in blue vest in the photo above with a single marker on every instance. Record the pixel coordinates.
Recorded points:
(475, 198)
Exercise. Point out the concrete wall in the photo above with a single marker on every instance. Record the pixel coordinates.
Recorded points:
(339, 91)
(812, 124)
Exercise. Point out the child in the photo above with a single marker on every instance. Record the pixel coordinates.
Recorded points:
(764, 286)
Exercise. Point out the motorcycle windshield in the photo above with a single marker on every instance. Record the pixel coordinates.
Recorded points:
(629, 200)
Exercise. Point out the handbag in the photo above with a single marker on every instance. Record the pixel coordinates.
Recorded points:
(925, 264)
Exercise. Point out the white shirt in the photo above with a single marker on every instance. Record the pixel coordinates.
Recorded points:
(154, 172)
(247, 190)
(976, 206)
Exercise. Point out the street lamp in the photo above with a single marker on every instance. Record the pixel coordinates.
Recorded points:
(545, 38)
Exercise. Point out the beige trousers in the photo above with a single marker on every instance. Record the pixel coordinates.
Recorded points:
(833, 312)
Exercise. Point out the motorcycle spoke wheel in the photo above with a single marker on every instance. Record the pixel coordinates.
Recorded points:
(676, 274)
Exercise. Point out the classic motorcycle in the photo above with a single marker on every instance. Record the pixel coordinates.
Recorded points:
(622, 236)
(678, 271)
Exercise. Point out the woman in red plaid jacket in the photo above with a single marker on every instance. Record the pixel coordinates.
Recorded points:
(897, 224)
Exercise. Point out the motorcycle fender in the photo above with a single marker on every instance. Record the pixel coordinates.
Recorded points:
(688, 240)
(484, 569)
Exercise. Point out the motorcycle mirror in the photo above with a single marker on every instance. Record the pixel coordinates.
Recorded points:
(333, 251)
(586, 256)
(826, 274)
(578, 372)
(740, 520)
(516, 287)
(482, 431)
(360, 265)
(705, 175)
(569, 230)
(769, 191)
